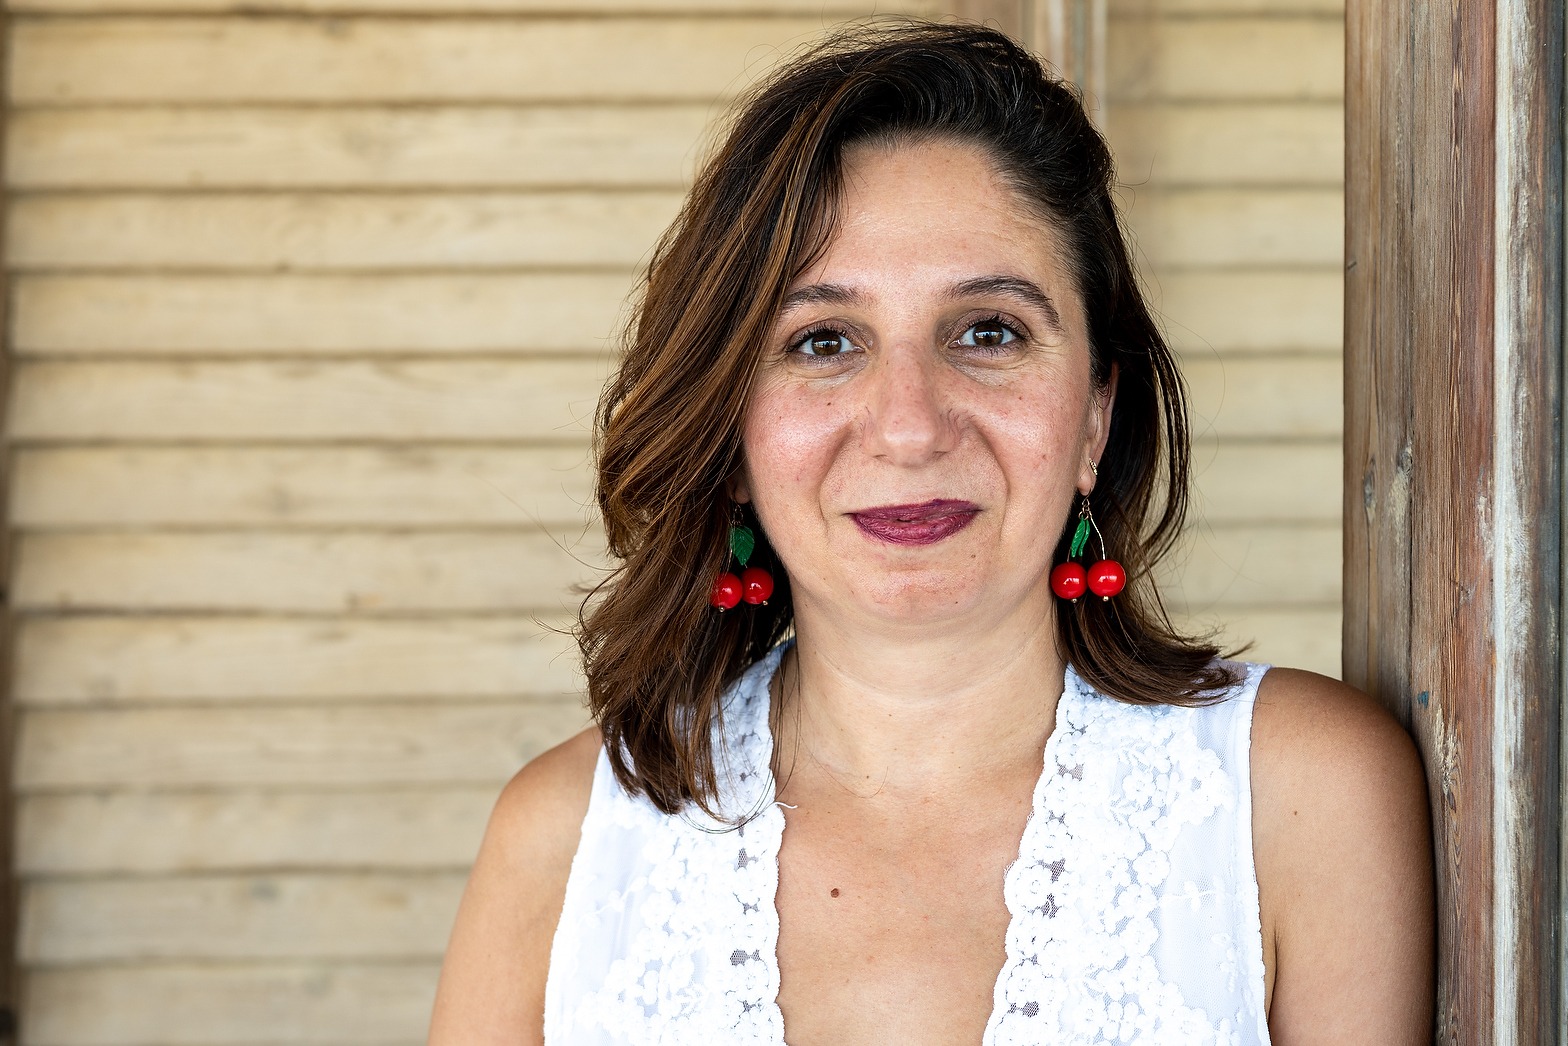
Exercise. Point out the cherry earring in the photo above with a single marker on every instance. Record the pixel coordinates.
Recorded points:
(1105, 579)
(754, 585)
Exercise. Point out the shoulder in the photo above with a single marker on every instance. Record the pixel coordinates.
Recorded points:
(493, 975)
(1342, 843)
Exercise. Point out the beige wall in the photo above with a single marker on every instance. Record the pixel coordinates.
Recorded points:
(1227, 119)
(309, 313)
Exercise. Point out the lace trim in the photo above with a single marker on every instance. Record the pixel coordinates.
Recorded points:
(1093, 858)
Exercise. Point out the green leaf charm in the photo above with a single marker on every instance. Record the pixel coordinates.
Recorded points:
(1080, 538)
(742, 542)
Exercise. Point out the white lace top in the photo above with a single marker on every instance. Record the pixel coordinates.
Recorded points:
(1133, 900)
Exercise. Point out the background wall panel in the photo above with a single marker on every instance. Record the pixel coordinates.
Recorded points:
(312, 300)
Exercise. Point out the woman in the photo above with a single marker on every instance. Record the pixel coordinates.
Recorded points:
(894, 340)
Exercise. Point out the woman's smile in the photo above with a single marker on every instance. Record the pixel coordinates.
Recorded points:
(919, 524)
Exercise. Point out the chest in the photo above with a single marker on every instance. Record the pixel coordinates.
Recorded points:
(893, 929)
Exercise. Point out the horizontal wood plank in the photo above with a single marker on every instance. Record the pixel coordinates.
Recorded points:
(362, 231)
(1287, 396)
(1236, 228)
(840, 9)
(144, 833)
(294, 916)
(189, 61)
(280, 147)
(336, 147)
(285, 487)
(1238, 481)
(300, 401)
(1238, 58)
(231, 1004)
(404, 745)
(1221, 569)
(1250, 311)
(332, 573)
(342, 315)
(115, 660)
(1233, 144)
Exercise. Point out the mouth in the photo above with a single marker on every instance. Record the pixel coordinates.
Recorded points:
(921, 524)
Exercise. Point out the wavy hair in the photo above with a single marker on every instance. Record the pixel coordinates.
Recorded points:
(667, 439)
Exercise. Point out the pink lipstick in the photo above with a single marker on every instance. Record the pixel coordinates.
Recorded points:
(921, 524)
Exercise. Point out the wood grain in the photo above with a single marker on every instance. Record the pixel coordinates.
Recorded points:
(280, 916)
(1291, 229)
(323, 573)
(196, 61)
(562, 146)
(1164, 144)
(376, 487)
(91, 660)
(366, 232)
(434, 745)
(204, 315)
(1241, 58)
(306, 401)
(231, 1004)
(250, 830)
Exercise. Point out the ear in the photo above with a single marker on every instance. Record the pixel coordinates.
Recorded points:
(1102, 402)
(739, 486)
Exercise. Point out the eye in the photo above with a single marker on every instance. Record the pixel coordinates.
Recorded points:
(824, 342)
(988, 334)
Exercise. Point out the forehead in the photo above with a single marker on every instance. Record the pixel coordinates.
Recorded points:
(941, 209)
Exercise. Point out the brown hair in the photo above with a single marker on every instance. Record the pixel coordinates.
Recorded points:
(667, 441)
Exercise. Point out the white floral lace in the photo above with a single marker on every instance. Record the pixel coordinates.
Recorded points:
(1133, 902)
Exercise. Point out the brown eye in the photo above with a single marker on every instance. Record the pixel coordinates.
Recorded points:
(824, 343)
(990, 334)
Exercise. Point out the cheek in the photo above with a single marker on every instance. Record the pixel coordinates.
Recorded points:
(790, 440)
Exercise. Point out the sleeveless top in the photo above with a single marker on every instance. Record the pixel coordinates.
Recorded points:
(1133, 901)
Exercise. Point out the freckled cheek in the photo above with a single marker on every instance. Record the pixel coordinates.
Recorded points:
(790, 441)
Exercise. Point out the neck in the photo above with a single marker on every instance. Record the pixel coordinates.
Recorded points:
(907, 714)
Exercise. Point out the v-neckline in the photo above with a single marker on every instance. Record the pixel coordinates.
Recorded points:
(1072, 686)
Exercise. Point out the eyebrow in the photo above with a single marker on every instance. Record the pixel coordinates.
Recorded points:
(1019, 289)
(1027, 292)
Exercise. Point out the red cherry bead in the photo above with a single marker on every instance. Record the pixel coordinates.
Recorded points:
(726, 591)
(1106, 578)
(756, 585)
(1068, 580)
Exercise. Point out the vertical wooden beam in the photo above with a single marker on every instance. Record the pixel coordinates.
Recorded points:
(1453, 304)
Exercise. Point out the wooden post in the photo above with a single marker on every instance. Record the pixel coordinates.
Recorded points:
(1453, 510)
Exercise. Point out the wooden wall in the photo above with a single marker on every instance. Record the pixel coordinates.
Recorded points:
(1227, 119)
(310, 303)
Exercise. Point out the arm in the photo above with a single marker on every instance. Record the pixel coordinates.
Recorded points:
(1342, 837)
(492, 980)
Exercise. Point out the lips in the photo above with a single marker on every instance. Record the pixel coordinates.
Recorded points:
(920, 524)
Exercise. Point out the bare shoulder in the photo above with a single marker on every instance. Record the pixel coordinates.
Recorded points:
(1341, 834)
(492, 979)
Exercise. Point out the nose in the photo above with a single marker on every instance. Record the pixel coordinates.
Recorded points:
(908, 419)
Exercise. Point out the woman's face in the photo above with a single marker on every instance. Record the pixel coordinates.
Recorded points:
(924, 411)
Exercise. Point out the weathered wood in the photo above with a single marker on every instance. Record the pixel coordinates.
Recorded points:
(328, 746)
(496, 399)
(1222, 567)
(294, 916)
(825, 9)
(189, 61)
(1229, 59)
(377, 487)
(325, 573)
(1215, 145)
(1453, 484)
(339, 315)
(1250, 311)
(306, 401)
(239, 1004)
(139, 833)
(1195, 228)
(359, 231)
(366, 146)
(136, 660)
(653, 146)
(1205, 8)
